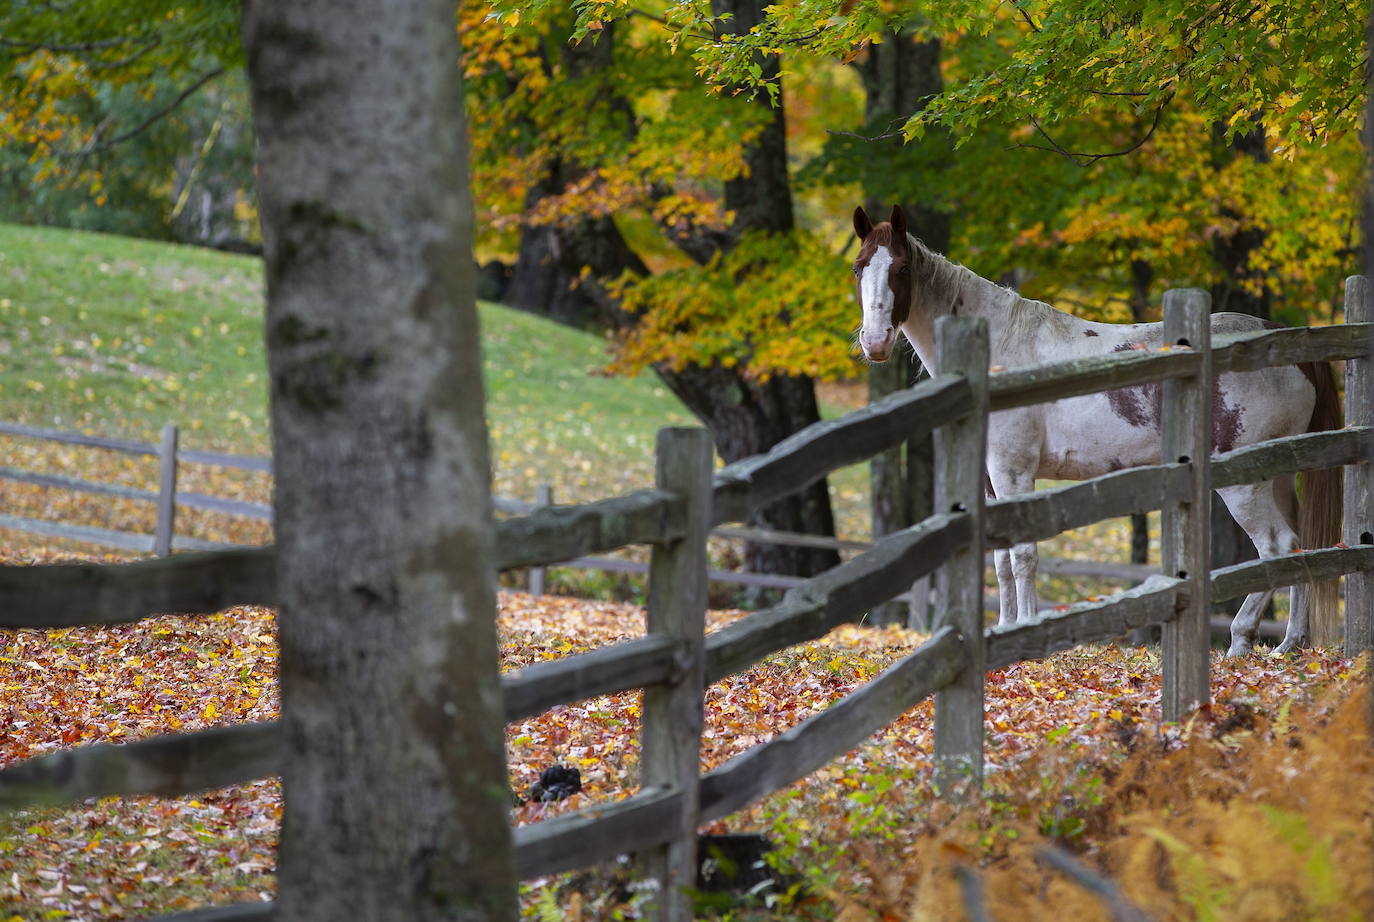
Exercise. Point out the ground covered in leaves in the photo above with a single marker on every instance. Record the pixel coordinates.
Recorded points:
(870, 836)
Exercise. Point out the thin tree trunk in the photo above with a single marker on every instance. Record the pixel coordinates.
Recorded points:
(1142, 275)
(1244, 290)
(393, 765)
(899, 76)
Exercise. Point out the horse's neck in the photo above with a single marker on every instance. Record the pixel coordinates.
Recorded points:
(953, 289)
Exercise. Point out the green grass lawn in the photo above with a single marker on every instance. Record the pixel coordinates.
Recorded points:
(117, 336)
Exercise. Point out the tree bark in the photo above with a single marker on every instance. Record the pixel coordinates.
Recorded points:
(393, 771)
(899, 76)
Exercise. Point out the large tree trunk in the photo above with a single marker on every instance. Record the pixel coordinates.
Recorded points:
(746, 417)
(899, 76)
(393, 765)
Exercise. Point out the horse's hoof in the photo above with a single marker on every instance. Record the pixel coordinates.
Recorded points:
(1240, 649)
(1288, 646)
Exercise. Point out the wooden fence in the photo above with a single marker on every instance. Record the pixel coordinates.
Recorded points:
(674, 661)
(167, 499)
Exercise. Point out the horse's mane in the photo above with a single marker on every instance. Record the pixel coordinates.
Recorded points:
(950, 283)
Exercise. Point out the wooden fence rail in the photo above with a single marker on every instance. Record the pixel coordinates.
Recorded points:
(675, 661)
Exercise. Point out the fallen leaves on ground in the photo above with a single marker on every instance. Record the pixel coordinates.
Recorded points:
(123, 858)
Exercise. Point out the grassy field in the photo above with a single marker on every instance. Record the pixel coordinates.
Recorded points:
(117, 336)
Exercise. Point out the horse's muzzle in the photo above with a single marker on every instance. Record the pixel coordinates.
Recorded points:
(877, 347)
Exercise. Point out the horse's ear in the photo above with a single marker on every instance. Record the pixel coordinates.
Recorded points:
(863, 224)
(898, 221)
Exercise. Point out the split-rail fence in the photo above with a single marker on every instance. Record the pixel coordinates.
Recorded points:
(676, 660)
(168, 498)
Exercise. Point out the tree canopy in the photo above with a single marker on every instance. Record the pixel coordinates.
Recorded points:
(117, 109)
(680, 173)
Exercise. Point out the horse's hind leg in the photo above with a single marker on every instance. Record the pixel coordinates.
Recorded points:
(1260, 509)
(1296, 634)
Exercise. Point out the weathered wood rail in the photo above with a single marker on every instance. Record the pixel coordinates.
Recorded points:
(674, 661)
(853, 433)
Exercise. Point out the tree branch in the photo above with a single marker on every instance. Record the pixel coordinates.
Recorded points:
(1085, 159)
(25, 47)
(1024, 15)
(971, 885)
(893, 131)
(96, 144)
(1122, 909)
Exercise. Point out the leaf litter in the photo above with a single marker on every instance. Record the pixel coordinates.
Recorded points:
(122, 858)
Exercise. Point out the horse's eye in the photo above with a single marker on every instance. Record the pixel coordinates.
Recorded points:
(858, 271)
(905, 269)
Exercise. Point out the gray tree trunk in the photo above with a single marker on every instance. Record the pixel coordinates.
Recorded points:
(393, 772)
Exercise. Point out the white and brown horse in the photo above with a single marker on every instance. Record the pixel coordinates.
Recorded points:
(903, 286)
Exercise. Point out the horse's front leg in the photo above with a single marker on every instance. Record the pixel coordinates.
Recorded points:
(1023, 559)
(1025, 566)
(1006, 587)
(1244, 624)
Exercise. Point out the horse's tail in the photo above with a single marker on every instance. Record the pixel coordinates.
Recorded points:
(1319, 516)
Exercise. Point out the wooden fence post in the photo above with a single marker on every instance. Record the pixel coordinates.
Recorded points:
(543, 496)
(166, 491)
(1359, 478)
(673, 714)
(961, 347)
(1186, 424)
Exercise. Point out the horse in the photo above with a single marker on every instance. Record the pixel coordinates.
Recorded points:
(904, 286)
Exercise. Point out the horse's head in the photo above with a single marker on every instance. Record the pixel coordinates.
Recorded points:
(883, 269)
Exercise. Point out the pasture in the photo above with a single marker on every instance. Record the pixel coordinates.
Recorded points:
(1060, 731)
(343, 720)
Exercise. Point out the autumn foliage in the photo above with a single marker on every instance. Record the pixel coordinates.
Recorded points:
(1273, 777)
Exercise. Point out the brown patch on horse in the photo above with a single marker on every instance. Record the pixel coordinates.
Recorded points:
(1140, 406)
(1089, 332)
(1143, 406)
(1226, 421)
